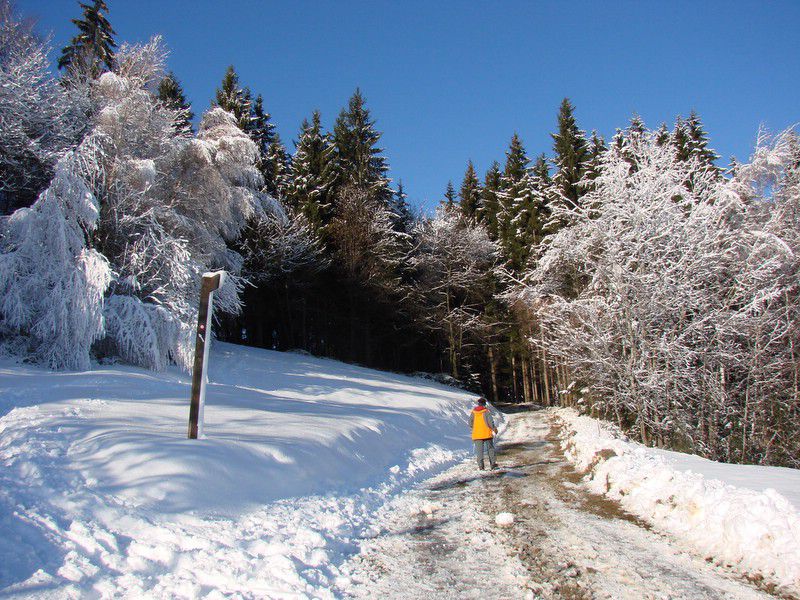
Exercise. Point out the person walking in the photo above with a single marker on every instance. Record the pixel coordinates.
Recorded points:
(483, 432)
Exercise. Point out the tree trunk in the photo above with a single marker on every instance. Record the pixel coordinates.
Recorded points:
(514, 374)
(493, 369)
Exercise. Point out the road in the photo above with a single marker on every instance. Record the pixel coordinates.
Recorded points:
(441, 540)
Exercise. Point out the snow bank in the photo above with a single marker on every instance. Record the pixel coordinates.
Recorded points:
(742, 516)
(101, 494)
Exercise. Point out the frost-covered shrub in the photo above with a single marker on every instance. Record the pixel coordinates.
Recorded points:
(51, 283)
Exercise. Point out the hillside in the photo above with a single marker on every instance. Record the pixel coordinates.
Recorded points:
(100, 490)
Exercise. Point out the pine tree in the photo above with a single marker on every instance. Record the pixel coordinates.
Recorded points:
(490, 200)
(571, 155)
(171, 95)
(449, 201)
(312, 173)
(361, 161)
(91, 52)
(470, 193)
(235, 99)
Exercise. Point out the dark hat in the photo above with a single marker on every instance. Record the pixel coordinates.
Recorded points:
(481, 400)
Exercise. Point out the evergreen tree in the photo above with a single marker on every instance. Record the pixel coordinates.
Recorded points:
(91, 52)
(449, 196)
(698, 143)
(490, 200)
(541, 169)
(278, 168)
(571, 155)
(470, 193)
(171, 95)
(235, 99)
(680, 140)
(519, 217)
(361, 160)
(662, 135)
(596, 150)
(636, 127)
(312, 173)
(260, 128)
(403, 219)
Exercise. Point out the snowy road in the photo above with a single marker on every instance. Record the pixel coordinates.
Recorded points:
(441, 541)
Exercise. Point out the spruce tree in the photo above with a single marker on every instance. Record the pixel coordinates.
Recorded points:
(361, 160)
(260, 128)
(402, 218)
(698, 143)
(680, 140)
(597, 149)
(490, 200)
(662, 135)
(277, 172)
(230, 96)
(171, 95)
(449, 196)
(571, 155)
(91, 52)
(312, 173)
(519, 218)
(470, 193)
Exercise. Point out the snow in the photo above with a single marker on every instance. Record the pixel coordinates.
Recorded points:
(504, 519)
(101, 494)
(742, 516)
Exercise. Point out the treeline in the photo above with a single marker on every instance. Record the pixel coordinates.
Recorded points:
(633, 279)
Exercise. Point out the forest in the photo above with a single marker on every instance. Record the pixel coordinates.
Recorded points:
(634, 279)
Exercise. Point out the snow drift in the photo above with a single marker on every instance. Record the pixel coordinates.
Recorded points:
(741, 516)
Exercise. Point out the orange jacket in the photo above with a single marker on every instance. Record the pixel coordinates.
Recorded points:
(481, 429)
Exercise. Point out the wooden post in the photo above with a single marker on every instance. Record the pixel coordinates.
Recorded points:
(211, 282)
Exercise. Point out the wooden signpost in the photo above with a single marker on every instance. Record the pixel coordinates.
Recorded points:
(211, 282)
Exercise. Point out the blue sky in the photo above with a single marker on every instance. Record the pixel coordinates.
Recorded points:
(450, 81)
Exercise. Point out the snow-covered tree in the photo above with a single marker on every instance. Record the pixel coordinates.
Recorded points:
(677, 306)
(51, 282)
(571, 156)
(279, 244)
(170, 208)
(39, 119)
(454, 261)
(313, 174)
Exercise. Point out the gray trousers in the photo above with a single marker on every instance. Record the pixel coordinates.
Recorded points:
(479, 450)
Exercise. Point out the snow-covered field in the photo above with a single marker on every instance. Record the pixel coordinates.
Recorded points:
(101, 494)
(742, 516)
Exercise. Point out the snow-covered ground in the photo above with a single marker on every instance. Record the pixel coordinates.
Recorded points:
(741, 516)
(300, 489)
(102, 495)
